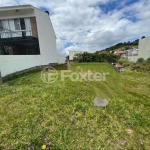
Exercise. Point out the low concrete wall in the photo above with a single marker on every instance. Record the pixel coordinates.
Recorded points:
(27, 70)
(15, 63)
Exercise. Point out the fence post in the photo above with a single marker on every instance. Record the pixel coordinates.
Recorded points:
(1, 78)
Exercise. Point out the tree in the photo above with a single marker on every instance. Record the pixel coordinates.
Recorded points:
(140, 60)
(78, 58)
(142, 37)
(96, 57)
(148, 60)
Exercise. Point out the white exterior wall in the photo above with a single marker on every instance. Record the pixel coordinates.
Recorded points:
(13, 63)
(47, 41)
(133, 58)
(144, 48)
(61, 59)
(47, 38)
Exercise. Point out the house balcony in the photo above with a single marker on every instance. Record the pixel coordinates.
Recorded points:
(19, 37)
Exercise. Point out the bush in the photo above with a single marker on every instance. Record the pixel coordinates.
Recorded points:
(96, 57)
(148, 60)
(127, 64)
(140, 60)
(123, 61)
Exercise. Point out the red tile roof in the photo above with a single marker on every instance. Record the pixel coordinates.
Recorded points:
(118, 52)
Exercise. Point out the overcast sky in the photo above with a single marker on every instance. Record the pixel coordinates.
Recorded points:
(91, 25)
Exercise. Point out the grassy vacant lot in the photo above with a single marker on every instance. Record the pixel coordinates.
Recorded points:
(33, 113)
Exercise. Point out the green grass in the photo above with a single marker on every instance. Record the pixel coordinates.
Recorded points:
(64, 113)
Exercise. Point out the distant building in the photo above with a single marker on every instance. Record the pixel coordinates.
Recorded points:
(122, 53)
(144, 48)
(118, 52)
(72, 54)
(132, 52)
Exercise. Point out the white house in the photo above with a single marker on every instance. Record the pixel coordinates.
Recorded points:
(144, 48)
(27, 39)
(132, 54)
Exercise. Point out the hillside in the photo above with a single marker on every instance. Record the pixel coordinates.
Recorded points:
(122, 46)
(62, 116)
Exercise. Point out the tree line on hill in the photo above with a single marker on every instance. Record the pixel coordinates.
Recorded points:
(104, 55)
(96, 57)
(126, 45)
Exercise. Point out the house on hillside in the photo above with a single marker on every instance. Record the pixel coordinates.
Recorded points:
(143, 50)
(122, 53)
(132, 54)
(27, 39)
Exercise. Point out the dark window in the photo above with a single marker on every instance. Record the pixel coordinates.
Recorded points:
(19, 46)
(1, 26)
(22, 24)
(23, 27)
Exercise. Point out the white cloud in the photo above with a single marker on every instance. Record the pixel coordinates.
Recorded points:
(85, 25)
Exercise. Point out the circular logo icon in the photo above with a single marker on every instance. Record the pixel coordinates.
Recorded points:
(49, 75)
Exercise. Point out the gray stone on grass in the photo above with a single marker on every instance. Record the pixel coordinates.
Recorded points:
(100, 102)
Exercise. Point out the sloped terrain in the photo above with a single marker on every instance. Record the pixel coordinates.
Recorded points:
(34, 113)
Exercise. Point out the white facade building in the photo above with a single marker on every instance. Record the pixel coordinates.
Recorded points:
(132, 54)
(144, 48)
(27, 39)
(72, 54)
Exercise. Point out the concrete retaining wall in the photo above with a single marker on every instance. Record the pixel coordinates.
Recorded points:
(14, 63)
(26, 70)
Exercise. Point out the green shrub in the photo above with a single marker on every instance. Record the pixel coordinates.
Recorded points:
(122, 61)
(126, 64)
(140, 60)
(135, 67)
(148, 60)
(143, 68)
